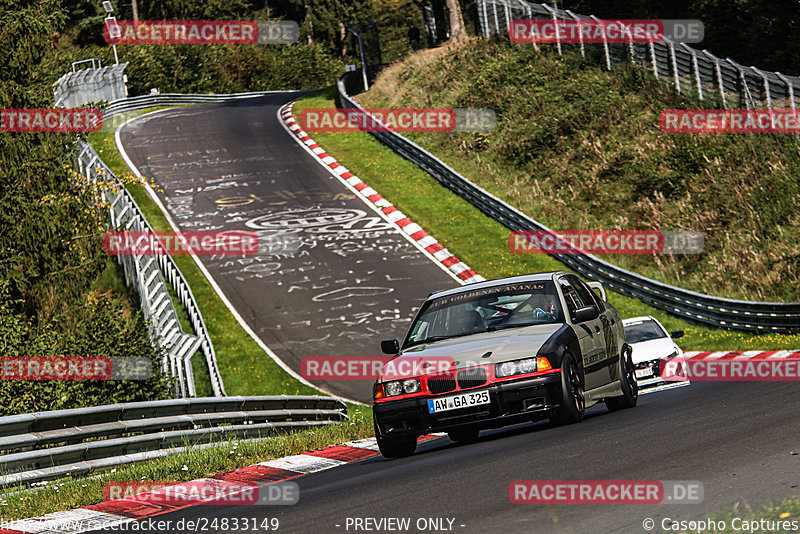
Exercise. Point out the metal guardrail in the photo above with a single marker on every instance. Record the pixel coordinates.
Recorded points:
(704, 309)
(689, 70)
(49, 445)
(150, 274)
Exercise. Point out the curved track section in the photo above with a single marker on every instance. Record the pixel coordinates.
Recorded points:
(332, 276)
(354, 279)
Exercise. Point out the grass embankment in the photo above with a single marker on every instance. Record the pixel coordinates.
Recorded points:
(578, 147)
(478, 240)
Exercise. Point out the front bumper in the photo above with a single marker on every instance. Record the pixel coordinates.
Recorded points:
(509, 403)
(653, 381)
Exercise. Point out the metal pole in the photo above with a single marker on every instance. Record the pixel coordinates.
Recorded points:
(359, 36)
(580, 33)
(363, 59)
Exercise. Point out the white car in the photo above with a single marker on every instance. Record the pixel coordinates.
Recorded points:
(651, 343)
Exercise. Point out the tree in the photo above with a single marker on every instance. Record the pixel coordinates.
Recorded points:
(458, 33)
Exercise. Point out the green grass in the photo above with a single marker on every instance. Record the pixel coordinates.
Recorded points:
(580, 148)
(72, 493)
(478, 240)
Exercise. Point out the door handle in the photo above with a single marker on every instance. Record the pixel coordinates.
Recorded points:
(597, 329)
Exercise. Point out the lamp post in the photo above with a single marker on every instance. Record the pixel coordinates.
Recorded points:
(113, 28)
(355, 29)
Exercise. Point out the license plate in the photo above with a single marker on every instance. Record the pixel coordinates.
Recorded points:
(465, 400)
(641, 373)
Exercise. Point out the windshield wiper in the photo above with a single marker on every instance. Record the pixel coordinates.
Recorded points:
(441, 338)
(504, 326)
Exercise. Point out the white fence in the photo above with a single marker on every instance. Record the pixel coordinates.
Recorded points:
(693, 72)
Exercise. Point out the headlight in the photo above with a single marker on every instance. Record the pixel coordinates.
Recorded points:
(411, 385)
(399, 387)
(393, 388)
(516, 367)
(505, 369)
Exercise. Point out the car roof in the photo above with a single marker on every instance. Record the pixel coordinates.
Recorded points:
(634, 320)
(536, 277)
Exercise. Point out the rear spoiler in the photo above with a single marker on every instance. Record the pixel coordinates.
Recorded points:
(599, 287)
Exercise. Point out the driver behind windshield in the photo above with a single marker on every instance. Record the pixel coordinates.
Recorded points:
(546, 309)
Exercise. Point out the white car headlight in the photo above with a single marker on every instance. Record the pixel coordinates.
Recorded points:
(393, 388)
(399, 387)
(527, 366)
(411, 385)
(516, 367)
(505, 369)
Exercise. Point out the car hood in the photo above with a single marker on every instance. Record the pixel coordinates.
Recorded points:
(652, 349)
(468, 351)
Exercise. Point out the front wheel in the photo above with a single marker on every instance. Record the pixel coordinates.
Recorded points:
(573, 403)
(630, 388)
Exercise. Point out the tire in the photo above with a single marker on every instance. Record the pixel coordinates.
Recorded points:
(395, 447)
(573, 402)
(630, 388)
(466, 435)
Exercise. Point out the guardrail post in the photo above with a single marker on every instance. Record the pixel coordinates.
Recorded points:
(675, 72)
(718, 71)
(789, 89)
(574, 17)
(744, 90)
(653, 57)
(766, 86)
(555, 26)
(696, 69)
(605, 42)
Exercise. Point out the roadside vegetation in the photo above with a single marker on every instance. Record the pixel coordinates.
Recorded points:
(580, 148)
(60, 294)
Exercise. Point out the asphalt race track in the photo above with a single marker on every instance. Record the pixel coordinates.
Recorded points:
(331, 277)
(343, 279)
(735, 438)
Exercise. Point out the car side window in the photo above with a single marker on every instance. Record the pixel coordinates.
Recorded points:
(572, 298)
(588, 296)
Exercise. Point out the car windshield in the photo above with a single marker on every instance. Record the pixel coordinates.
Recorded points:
(644, 331)
(486, 310)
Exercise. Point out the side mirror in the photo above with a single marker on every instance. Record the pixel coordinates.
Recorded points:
(586, 314)
(675, 334)
(390, 346)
